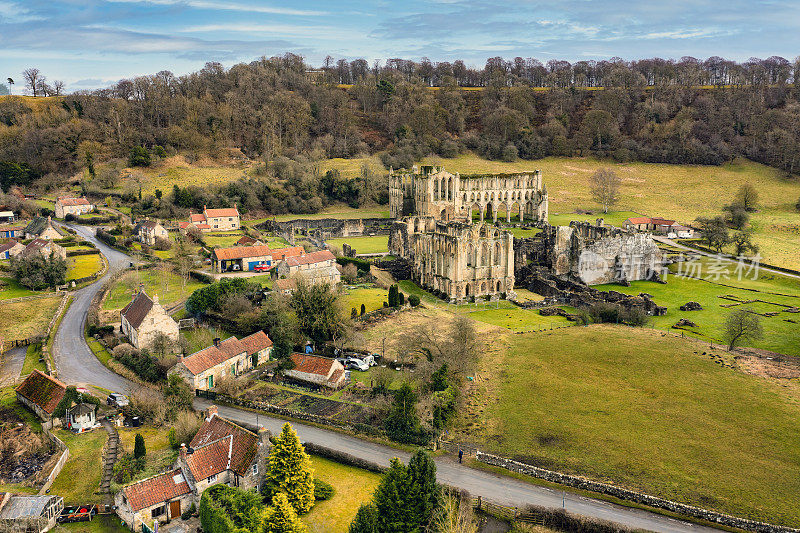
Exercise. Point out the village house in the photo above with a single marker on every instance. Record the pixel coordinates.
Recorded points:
(224, 219)
(44, 248)
(285, 286)
(29, 514)
(12, 232)
(317, 370)
(247, 258)
(72, 206)
(678, 231)
(41, 394)
(247, 240)
(10, 249)
(220, 452)
(43, 228)
(316, 267)
(150, 230)
(81, 417)
(144, 318)
(231, 357)
(7, 216)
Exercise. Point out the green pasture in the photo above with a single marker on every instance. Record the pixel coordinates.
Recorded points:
(373, 244)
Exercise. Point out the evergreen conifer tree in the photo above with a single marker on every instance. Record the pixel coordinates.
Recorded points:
(139, 449)
(426, 496)
(365, 520)
(281, 517)
(394, 500)
(289, 471)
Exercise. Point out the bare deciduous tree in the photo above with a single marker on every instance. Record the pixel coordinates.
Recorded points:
(32, 77)
(741, 325)
(605, 188)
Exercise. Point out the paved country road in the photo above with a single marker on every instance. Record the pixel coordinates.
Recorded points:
(76, 364)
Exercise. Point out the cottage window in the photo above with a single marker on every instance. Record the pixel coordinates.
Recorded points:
(212, 478)
(255, 469)
(158, 511)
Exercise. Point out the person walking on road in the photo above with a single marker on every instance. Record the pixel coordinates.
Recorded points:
(460, 455)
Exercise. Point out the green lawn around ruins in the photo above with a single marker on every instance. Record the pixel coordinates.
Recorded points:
(719, 297)
(372, 244)
(648, 411)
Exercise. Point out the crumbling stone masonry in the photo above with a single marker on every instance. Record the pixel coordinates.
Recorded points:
(434, 192)
(460, 259)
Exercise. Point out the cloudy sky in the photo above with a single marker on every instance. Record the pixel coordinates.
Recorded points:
(92, 43)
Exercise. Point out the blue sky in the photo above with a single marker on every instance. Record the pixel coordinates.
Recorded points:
(89, 43)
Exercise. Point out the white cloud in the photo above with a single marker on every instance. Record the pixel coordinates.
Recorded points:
(225, 6)
(280, 29)
(11, 12)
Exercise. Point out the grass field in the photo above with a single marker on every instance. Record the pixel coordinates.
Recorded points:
(373, 244)
(340, 212)
(780, 335)
(680, 192)
(79, 481)
(32, 356)
(20, 320)
(167, 285)
(372, 298)
(99, 524)
(9, 288)
(353, 487)
(643, 410)
(82, 266)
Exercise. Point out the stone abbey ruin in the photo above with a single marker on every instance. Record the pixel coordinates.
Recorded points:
(446, 234)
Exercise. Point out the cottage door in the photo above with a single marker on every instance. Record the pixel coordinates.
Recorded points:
(174, 509)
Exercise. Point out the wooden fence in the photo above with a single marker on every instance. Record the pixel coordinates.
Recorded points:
(51, 477)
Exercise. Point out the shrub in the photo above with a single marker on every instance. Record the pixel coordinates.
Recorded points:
(322, 490)
(139, 449)
(162, 244)
(413, 300)
(139, 157)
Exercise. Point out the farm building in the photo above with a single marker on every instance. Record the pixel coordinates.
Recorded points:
(150, 230)
(166, 495)
(45, 248)
(216, 219)
(247, 258)
(232, 357)
(246, 240)
(285, 286)
(29, 514)
(316, 267)
(41, 394)
(7, 216)
(220, 452)
(10, 249)
(43, 228)
(144, 318)
(72, 206)
(12, 232)
(317, 370)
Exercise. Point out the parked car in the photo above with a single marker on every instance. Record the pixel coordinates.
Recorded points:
(356, 364)
(369, 359)
(261, 268)
(117, 400)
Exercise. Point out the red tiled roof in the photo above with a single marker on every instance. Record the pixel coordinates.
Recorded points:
(73, 201)
(242, 252)
(279, 254)
(310, 259)
(156, 490)
(246, 240)
(639, 220)
(256, 342)
(135, 311)
(212, 356)
(285, 284)
(42, 390)
(236, 454)
(661, 222)
(312, 364)
(183, 224)
(202, 226)
(226, 212)
(197, 217)
(37, 245)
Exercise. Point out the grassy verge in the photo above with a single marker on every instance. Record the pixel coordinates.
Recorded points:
(81, 266)
(32, 356)
(9, 288)
(8, 398)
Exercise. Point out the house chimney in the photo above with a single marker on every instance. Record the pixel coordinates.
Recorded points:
(211, 412)
(263, 439)
(155, 299)
(183, 450)
(216, 341)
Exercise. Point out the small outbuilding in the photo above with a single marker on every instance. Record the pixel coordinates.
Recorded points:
(81, 417)
(41, 393)
(317, 370)
(29, 514)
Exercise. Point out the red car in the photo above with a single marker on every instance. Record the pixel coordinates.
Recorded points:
(261, 268)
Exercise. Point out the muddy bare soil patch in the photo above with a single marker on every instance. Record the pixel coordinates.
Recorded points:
(23, 453)
(768, 364)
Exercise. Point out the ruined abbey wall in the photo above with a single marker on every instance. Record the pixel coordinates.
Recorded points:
(434, 192)
(459, 259)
